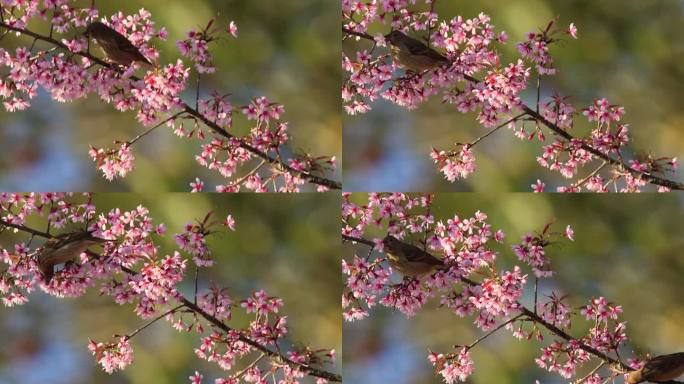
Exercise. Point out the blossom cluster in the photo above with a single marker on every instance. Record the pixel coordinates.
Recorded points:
(470, 284)
(453, 368)
(129, 267)
(532, 249)
(468, 43)
(112, 356)
(462, 242)
(62, 65)
(477, 79)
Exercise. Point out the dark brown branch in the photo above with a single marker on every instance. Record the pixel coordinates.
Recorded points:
(210, 318)
(24, 228)
(358, 240)
(279, 164)
(564, 134)
(359, 34)
(221, 325)
(639, 174)
(550, 327)
(308, 369)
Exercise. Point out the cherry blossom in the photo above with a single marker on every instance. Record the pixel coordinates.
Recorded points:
(471, 285)
(477, 79)
(129, 268)
(62, 65)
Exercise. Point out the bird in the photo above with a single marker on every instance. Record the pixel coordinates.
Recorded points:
(115, 46)
(658, 369)
(409, 259)
(64, 248)
(413, 54)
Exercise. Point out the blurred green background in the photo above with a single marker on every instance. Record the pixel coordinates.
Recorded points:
(627, 249)
(287, 51)
(286, 245)
(629, 51)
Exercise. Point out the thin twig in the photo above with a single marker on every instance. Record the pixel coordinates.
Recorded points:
(538, 92)
(432, 9)
(140, 136)
(482, 338)
(247, 368)
(580, 381)
(536, 291)
(163, 315)
(248, 174)
(589, 176)
(196, 283)
(472, 144)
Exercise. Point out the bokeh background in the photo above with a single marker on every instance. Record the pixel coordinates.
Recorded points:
(629, 51)
(286, 245)
(287, 51)
(627, 249)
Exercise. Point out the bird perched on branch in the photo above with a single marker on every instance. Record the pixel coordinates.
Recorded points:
(64, 248)
(116, 47)
(659, 369)
(409, 259)
(413, 54)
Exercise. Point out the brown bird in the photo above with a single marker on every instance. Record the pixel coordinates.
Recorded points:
(115, 46)
(63, 248)
(412, 54)
(409, 259)
(659, 369)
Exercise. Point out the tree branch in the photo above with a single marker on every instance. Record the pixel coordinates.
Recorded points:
(24, 228)
(564, 134)
(209, 318)
(534, 317)
(359, 240)
(278, 164)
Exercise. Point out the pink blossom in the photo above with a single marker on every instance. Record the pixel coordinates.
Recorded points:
(230, 222)
(67, 72)
(477, 79)
(197, 185)
(569, 233)
(232, 29)
(112, 356)
(196, 378)
(113, 162)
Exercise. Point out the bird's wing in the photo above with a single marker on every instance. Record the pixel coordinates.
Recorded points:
(47, 271)
(125, 45)
(71, 237)
(416, 47)
(666, 364)
(424, 257)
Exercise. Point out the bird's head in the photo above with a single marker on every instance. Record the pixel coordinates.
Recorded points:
(390, 243)
(96, 30)
(395, 37)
